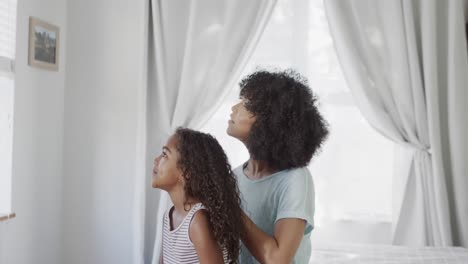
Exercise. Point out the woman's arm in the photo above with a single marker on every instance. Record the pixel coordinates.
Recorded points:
(203, 239)
(279, 248)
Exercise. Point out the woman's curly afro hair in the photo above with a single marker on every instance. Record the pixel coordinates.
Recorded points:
(289, 128)
(209, 178)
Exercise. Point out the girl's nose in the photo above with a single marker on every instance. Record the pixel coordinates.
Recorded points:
(156, 160)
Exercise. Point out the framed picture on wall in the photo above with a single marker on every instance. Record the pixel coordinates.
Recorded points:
(44, 40)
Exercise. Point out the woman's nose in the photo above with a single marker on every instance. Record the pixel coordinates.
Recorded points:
(233, 108)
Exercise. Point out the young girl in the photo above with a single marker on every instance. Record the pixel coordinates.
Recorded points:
(205, 224)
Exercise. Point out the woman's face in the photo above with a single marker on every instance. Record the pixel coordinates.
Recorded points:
(166, 174)
(241, 121)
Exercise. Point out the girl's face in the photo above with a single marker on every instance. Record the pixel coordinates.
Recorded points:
(166, 174)
(241, 121)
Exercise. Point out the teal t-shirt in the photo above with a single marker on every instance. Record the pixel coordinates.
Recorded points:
(285, 194)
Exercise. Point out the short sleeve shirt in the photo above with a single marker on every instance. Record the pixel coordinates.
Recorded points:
(285, 194)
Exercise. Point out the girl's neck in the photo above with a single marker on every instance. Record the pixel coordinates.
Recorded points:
(181, 204)
(257, 169)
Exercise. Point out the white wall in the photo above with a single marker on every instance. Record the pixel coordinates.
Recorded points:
(34, 235)
(79, 208)
(105, 66)
(6, 134)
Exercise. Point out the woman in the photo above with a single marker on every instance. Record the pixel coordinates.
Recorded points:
(279, 123)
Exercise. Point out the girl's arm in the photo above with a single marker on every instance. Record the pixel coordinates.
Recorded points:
(279, 248)
(203, 239)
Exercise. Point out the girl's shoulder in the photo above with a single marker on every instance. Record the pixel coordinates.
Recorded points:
(199, 224)
(197, 209)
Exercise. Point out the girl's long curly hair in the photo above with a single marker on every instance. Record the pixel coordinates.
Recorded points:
(209, 178)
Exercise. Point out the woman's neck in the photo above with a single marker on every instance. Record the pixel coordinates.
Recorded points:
(257, 169)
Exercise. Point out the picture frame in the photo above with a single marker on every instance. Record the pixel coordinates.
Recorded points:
(44, 44)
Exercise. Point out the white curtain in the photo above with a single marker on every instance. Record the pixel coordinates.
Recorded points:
(406, 65)
(197, 51)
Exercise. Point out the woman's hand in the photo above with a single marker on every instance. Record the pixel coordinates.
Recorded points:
(279, 248)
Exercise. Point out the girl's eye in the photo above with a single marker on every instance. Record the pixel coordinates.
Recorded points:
(164, 154)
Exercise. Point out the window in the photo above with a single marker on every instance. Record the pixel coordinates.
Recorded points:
(7, 56)
(353, 173)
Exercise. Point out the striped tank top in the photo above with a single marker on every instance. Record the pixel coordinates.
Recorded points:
(177, 246)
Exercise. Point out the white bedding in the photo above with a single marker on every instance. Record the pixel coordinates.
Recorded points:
(386, 254)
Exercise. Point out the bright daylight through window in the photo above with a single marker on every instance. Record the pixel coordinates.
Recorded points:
(353, 172)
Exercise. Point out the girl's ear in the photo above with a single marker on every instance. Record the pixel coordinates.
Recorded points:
(180, 178)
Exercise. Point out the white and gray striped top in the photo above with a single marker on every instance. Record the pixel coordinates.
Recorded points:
(177, 246)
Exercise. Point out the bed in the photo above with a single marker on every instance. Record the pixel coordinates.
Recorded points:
(386, 254)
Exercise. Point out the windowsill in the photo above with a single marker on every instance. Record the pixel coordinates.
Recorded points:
(6, 217)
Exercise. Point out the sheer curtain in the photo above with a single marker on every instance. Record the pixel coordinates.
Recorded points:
(406, 64)
(197, 50)
(353, 172)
